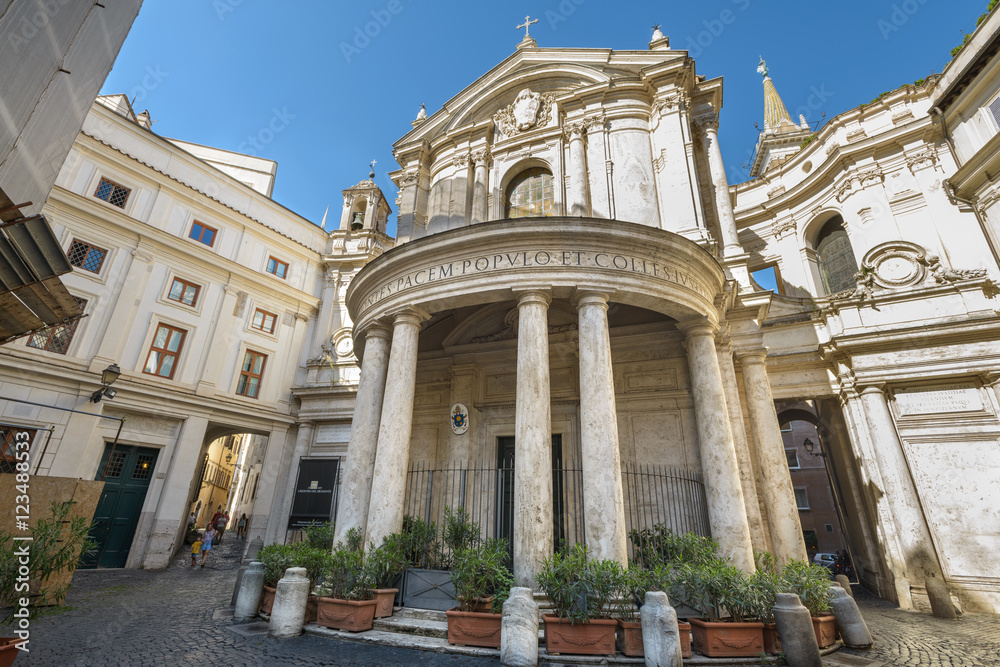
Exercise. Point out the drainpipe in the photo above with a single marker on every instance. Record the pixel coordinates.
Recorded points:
(949, 190)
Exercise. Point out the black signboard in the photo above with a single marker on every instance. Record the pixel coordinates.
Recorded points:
(314, 492)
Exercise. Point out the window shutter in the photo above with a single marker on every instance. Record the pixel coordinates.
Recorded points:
(995, 111)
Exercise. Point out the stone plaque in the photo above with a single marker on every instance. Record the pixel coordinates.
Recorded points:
(333, 433)
(938, 399)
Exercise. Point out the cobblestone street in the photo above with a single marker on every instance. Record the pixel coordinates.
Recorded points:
(135, 617)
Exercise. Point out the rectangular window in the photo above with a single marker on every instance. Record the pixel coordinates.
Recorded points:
(769, 278)
(250, 374)
(86, 256)
(793, 459)
(111, 192)
(801, 498)
(57, 337)
(10, 437)
(277, 267)
(263, 321)
(829, 527)
(202, 233)
(995, 111)
(184, 292)
(163, 353)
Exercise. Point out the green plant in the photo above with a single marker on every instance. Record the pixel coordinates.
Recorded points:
(348, 577)
(320, 535)
(314, 559)
(58, 542)
(660, 545)
(767, 583)
(810, 582)
(387, 560)
(421, 543)
(354, 540)
(480, 571)
(580, 588)
(459, 531)
(716, 588)
(276, 558)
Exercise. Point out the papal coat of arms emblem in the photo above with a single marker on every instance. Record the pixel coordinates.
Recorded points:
(526, 108)
(529, 109)
(459, 418)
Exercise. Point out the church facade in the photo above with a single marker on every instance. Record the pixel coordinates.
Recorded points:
(567, 326)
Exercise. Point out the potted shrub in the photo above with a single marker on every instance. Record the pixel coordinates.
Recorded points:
(714, 589)
(387, 563)
(316, 560)
(637, 581)
(276, 558)
(767, 582)
(581, 591)
(426, 583)
(812, 584)
(346, 599)
(57, 545)
(482, 581)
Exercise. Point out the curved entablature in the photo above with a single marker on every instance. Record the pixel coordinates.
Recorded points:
(490, 262)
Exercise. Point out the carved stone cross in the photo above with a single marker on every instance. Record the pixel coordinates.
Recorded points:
(526, 25)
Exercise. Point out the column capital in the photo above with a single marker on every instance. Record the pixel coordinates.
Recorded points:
(378, 330)
(865, 388)
(708, 122)
(698, 326)
(481, 157)
(528, 295)
(591, 296)
(574, 129)
(409, 315)
(750, 356)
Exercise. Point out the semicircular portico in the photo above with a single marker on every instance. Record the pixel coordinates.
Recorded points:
(492, 262)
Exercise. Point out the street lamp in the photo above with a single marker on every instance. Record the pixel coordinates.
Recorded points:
(108, 377)
(811, 447)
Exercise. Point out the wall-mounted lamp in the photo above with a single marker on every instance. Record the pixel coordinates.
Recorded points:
(108, 377)
(229, 457)
(811, 447)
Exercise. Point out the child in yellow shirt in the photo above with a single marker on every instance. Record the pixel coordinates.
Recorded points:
(195, 550)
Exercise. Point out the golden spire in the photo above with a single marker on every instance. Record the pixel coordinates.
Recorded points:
(776, 117)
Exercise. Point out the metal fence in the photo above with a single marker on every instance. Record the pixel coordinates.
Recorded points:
(654, 495)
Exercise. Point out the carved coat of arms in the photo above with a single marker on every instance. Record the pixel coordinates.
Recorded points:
(529, 109)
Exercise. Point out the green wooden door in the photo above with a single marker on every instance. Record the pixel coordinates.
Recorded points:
(126, 475)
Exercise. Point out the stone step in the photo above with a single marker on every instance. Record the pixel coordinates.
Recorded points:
(413, 612)
(406, 625)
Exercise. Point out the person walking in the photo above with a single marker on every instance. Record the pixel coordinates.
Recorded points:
(220, 527)
(241, 526)
(206, 543)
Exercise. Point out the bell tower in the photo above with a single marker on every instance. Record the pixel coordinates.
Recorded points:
(365, 206)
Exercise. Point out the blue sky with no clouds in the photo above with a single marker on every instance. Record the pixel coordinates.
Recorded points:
(342, 81)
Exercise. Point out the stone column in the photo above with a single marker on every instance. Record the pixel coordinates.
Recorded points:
(480, 187)
(717, 170)
(920, 559)
(579, 197)
(303, 438)
(356, 485)
(604, 506)
(779, 496)
(726, 507)
(385, 506)
(266, 518)
(533, 439)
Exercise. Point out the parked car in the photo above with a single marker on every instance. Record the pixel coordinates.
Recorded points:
(828, 560)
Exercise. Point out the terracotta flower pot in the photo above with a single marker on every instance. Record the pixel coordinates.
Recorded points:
(267, 600)
(8, 651)
(629, 641)
(312, 607)
(826, 630)
(350, 615)
(727, 640)
(384, 597)
(772, 643)
(480, 605)
(594, 637)
(473, 628)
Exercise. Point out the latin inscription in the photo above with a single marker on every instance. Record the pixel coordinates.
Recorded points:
(938, 399)
(513, 261)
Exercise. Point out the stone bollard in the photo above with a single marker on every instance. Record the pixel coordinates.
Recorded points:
(661, 641)
(795, 629)
(845, 583)
(519, 630)
(236, 589)
(253, 549)
(940, 598)
(250, 591)
(288, 614)
(850, 624)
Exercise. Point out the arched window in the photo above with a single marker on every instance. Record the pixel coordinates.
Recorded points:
(531, 194)
(835, 257)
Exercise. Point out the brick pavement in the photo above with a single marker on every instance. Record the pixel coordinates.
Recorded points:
(140, 618)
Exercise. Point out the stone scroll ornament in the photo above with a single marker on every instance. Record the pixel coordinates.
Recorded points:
(459, 418)
(529, 109)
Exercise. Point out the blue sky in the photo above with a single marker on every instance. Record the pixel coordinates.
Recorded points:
(225, 72)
